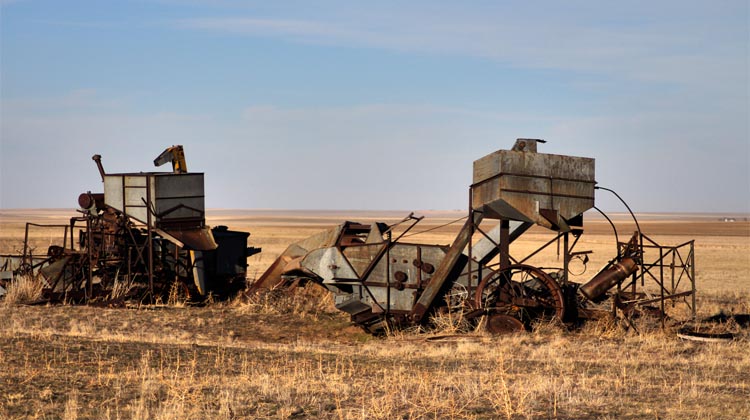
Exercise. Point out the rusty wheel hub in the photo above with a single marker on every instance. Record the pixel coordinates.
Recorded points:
(522, 292)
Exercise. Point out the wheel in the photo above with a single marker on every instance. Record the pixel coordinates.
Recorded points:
(457, 296)
(521, 291)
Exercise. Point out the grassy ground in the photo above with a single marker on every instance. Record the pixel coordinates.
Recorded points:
(242, 361)
(296, 357)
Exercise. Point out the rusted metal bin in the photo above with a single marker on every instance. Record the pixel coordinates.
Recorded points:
(175, 198)
(541, 188)
(177, 202)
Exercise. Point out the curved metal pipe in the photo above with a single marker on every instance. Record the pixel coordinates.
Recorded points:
(617, 238)
(625, 204)
(98, 160)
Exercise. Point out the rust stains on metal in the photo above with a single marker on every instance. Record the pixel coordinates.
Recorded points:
(384, 283)
(504, 324)
(143, 235)
(609, 278)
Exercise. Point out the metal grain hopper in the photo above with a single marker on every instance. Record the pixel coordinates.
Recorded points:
(523, 185)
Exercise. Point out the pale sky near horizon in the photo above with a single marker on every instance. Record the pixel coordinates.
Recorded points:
(375, 105)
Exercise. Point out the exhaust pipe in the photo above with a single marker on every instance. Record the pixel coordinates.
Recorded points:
(98, 160)
(608, 278)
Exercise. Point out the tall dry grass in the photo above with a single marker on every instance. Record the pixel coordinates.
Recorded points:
(104, 364)
(22, 289)
(309, 301)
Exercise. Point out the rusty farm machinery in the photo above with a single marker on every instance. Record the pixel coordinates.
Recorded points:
(144, 237)
(384, 282)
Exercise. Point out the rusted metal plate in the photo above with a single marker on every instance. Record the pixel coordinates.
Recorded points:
(195, 239)
(504, 324)
(447, 266)
(272, 276)
(399, 299)
(417, 262)
(322, 240)
(376, 233)
(329, 264)
(361, 256)
(403, 269)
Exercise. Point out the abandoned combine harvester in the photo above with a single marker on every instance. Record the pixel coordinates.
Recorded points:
(384, 283)
(144, 237)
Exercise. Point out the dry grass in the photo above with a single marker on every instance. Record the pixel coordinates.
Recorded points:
(120, 289)
(282, 356)
(23, 289)
(103, 364)
(309, 301)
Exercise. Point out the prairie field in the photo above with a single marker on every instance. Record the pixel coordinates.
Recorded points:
(295, 356)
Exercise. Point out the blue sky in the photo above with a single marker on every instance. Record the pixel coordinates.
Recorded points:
(364, 105)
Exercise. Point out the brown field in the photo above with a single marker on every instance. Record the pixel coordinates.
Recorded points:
(297, 357)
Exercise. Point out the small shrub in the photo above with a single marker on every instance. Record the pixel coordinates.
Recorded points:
(450, 322)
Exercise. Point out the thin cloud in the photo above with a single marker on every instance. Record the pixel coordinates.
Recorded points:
(316, 154)
(636, 49)
(81, 23)
(296, 29)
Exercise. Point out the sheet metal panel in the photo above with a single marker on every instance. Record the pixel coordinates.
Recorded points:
(127, 193)
(173, 197)
(328, 263)
(179, 196)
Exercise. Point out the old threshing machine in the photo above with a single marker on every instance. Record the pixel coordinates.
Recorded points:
(384, 282)
(145, 236)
